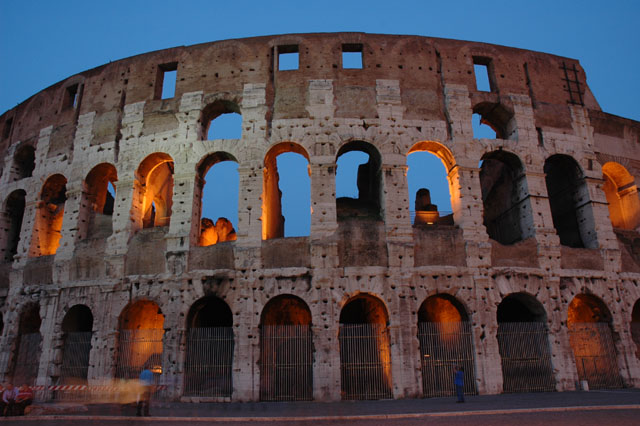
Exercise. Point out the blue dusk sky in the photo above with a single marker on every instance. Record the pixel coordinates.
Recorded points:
(43, 42)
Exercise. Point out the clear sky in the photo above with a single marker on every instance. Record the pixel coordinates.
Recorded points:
(43, 42)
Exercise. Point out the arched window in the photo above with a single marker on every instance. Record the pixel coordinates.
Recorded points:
(154, 184)
(569, 202)
(24, 161)
(50, 213)
(622, 195)
(497, 117)
(216, 198)
(13, 215)
(505, 196)
(221, 120)
(98, 200)
(286, 189)
(359, 181)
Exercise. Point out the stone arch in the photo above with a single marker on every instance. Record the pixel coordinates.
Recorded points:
(425, 211)
(286, 350)
(28, 349)
(523, 343)
(507, 213)
(445, 338)
(154, 191)
(140, 335)
(209, 352)
(77, 330)
(24, 162)
(369, 202)
(213, 111)
(499, 117)
(273, 221)
(97, 202)
(14, 207)
(205, 231)
(364, 340)
(592, 342)
(622, 195)
(569, 201)
(47, 229)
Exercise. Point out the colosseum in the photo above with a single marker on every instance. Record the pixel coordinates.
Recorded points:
(108, 265)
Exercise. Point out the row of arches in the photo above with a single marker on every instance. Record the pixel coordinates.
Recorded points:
(507, 210)
(444, 333)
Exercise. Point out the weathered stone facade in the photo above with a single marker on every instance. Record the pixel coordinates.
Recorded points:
(412, 94)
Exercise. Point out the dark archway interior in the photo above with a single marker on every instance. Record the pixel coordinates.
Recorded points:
(15, 211)
(30, 320)
(24, 162)
(78, 319)
(441, 308)
(364, 309)
(520, 308)
(286, 310)
(209, 312)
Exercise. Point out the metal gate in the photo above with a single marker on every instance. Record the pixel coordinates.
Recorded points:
(365, 361)
(595, 356)
(27, 359)
(526, 357)
(444, 345)
(286, 363)
(75, 365)
(139, 349)
(209, 362)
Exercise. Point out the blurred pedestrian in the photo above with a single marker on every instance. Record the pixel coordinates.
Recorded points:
(458, 380)
(146, 383)
(24, 398)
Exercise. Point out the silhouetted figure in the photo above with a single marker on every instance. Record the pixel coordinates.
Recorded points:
(146, 382)
(458, 380)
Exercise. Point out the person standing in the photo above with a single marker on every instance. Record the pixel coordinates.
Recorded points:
(146, 382)
(458, 380)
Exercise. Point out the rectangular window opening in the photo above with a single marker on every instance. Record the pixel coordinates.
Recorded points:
(288, 57)
(540, 136)
(481, 69)
(70, 97)
(352, 56)
(166, 80)
(7, 128)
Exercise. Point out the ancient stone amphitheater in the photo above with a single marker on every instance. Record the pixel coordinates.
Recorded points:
(108, 267)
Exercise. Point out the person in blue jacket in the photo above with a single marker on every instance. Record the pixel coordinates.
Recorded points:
(458, 380)
(146, 381)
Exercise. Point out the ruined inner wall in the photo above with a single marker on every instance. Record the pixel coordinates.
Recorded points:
(411, 94)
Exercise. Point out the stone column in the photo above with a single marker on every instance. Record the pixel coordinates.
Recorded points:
(397, 219)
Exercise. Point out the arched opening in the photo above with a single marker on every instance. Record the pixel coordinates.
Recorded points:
(591, 338)
(286, 350)
(365, 353)
(14, 213)
(24, 161)
(569, 202)
(216, 198)
(286, 192)
(221, 120)
(154, 191)
(635, 326)
(28, 346)
(139, 340)
(49, 215)
(507, 214)
(622, 195)
(498, 118)
(209, 358)
(359, 181)
(429, 186)
(77, 326)
(98, 198)
(523, 343)
(444, 333)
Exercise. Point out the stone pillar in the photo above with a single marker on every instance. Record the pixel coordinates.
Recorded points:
(396, 213)
(48, 310)
(485, 339)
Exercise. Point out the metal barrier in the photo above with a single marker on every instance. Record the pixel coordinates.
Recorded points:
(138, 349)
(27, 360)
(286, 363)
(526, 357)
(74, 368)
(443, 345)
(209, 362)
(594, 352)
(365, 361)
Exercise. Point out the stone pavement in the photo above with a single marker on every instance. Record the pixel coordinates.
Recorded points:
(503, 403)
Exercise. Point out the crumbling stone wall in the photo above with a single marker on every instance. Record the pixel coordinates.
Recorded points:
(412, 93)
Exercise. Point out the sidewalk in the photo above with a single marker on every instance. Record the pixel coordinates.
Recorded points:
(528, 402)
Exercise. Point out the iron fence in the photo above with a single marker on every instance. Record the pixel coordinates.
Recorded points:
(526, 357)
(365, 361)
(443, 345)
(209, 362)
(286, 363)
(594, 352)
(137, 350)
(75, 365)
(27, 359)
